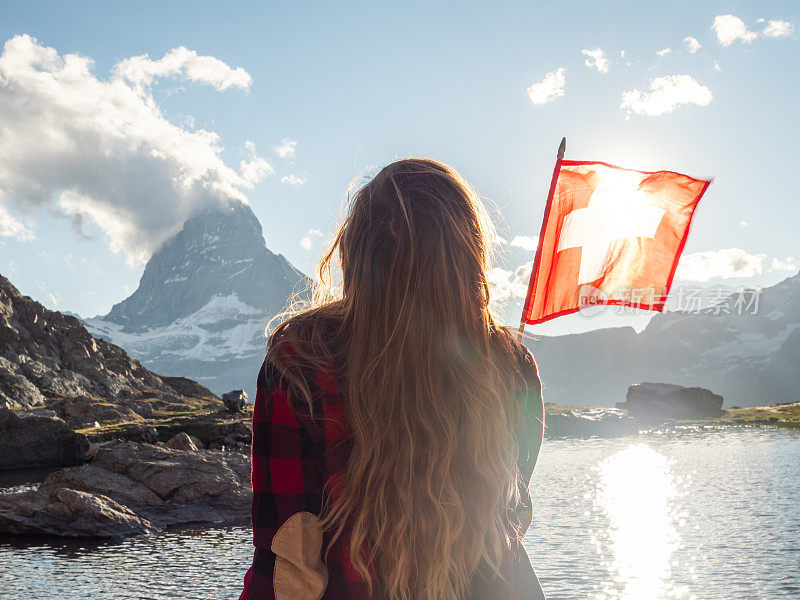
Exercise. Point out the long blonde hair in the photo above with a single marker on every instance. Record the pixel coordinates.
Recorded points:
(426, 377)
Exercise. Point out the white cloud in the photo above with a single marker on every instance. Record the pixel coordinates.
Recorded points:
(101, 149)
(742, 223)
(509, 285)
(286, 148)
(663, 52)
(776, 28)
(184, 64)
(549, 88)
(665, 95)
(11, 227)
(526, 242)
(729, 28)
(725, 263)
(255, 169)
(717, 66)
(292, 179)
(728, 263)
(790, 265)
(596, 59)
(307, 241)
(692, 44)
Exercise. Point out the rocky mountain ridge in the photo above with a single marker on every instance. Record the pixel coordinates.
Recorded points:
(48, 358)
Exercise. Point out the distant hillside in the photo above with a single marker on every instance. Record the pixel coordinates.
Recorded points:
(49, 359)
(204, 301)
(750, 359)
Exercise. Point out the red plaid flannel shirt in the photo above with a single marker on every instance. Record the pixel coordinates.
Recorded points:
(294, 455)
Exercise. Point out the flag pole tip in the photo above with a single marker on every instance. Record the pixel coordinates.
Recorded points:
(562, 148)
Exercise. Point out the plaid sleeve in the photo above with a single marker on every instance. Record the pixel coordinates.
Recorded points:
(284, 474)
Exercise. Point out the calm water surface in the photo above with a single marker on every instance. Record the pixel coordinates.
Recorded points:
(707, 515)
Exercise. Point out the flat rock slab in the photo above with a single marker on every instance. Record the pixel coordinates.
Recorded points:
(69, 513)
(132, 488)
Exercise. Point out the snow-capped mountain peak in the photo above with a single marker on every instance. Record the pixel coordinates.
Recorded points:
(217, 253)
(204, 300)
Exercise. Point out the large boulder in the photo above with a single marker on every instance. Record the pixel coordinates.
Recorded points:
(661, 402)
(131, 488)
(29, 441)
(235, 401)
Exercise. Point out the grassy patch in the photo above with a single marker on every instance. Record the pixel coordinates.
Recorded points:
(775, 415)
(201, 423)
(786, 416)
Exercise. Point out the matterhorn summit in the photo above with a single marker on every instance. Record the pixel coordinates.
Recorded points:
(204, 300)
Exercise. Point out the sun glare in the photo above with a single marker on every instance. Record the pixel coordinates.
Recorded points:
(637, 492)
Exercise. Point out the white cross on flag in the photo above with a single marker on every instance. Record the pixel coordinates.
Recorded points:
(609, 236)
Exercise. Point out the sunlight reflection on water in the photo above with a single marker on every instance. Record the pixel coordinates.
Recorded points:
(637, 492)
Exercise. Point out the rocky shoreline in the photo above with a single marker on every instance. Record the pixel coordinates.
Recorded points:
(131, 488)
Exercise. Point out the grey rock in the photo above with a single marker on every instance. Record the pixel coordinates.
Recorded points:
(149, 435)
(660, 402)
(68, 513)
(235, 401)
(132, 488)
(181, 441)
(29, 441)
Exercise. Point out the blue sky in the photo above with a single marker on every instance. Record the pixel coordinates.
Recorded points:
(357, 84)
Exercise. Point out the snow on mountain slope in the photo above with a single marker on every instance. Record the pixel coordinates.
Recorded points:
(204, 301)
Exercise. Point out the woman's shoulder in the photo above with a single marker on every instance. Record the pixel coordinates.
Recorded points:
(509, 342)
(304, 336)
(301, 356)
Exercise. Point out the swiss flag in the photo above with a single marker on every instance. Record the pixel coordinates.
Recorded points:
(610, 236)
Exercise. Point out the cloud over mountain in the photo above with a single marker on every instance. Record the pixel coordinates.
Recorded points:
(729, 263)
(100, 148)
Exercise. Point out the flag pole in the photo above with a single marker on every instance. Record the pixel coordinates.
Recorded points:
(535, 267)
